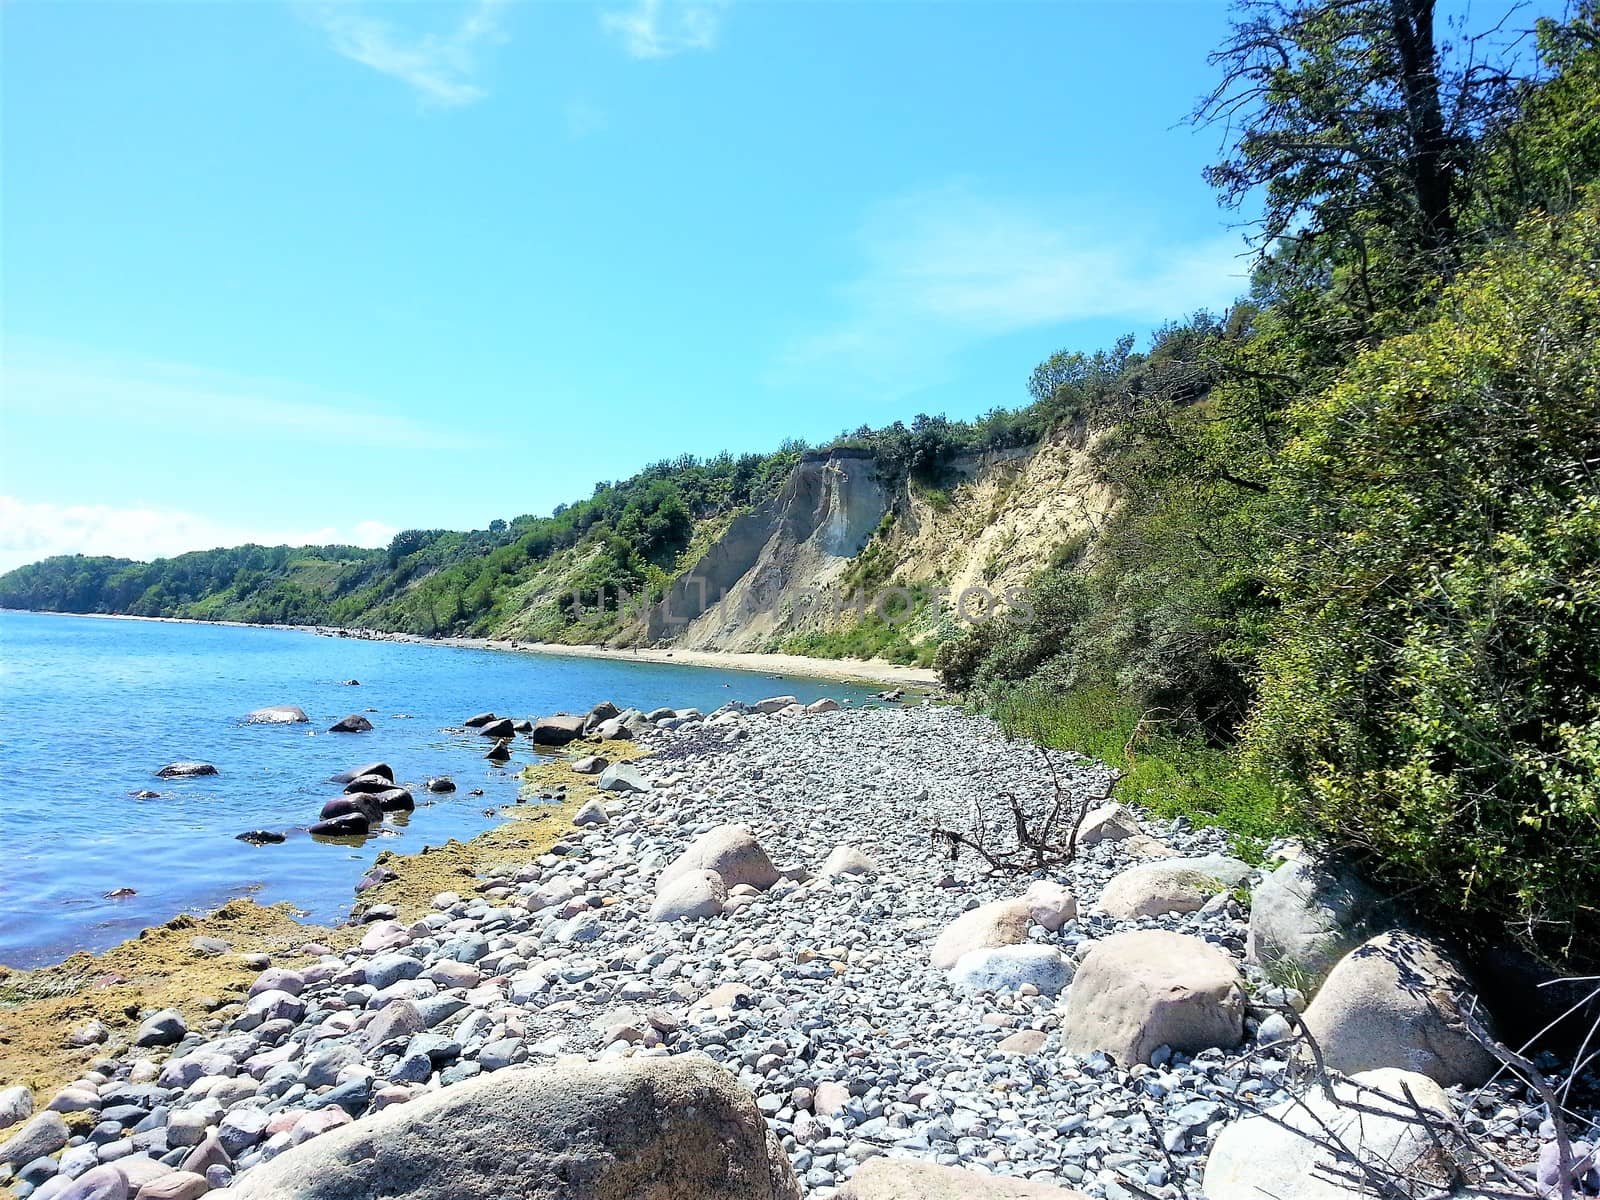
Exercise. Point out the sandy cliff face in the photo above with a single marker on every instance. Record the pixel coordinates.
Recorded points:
(756, 582)
(792, 564)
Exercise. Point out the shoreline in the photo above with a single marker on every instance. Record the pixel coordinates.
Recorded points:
(588, 935)
(843, 670)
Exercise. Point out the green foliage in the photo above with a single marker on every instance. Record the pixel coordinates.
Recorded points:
(1171, 773)
(626, 538)
(1431, 694)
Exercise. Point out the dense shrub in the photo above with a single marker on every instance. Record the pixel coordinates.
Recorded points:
(1432, 693)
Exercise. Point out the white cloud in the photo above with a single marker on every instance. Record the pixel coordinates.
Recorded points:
(29, 532)
(947, 268)
(661, 28)
(63, 381)
(440, 67)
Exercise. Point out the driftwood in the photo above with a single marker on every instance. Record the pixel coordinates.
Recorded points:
(1038, 836)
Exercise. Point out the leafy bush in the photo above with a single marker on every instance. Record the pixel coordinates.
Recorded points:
(1432, 692)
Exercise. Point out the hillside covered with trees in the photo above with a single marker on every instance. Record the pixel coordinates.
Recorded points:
(1351, 583)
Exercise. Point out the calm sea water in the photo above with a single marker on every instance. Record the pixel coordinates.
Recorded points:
(90, 709)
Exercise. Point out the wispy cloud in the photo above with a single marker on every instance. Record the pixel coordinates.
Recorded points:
(29, 532)
(949, 267)
(661, 28)
(71, 384)
(440, 66)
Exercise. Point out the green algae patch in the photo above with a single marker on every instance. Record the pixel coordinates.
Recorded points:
(462, 867)
(160, 968)
(532, 826)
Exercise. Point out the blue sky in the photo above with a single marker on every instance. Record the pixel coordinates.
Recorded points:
(288, 271)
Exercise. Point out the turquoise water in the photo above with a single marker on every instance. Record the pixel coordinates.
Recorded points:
(90, 709)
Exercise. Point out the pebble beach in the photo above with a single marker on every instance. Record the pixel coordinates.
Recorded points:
(824, 984)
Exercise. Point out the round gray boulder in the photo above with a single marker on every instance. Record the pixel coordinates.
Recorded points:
(1395, 1002)
(639, 1129)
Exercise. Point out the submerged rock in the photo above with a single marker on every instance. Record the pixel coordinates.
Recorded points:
(374, 768)
(354, 723)
(347, 825)
(557, 730)
(186, 770)
(278, 714)
(259, 837)
(440, 783)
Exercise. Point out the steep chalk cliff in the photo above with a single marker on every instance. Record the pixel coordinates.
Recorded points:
(794, 564)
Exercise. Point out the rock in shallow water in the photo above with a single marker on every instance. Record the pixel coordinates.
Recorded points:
(278, 714)
(186, 770)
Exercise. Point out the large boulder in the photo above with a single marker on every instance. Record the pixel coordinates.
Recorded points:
(907, 1179)
(104, 1182)
(354, 723)
(395, 799)
(480, 720)
(186, 770)
(373, 768)
(1172, 885)
(729, 850)
(604, 711)
(1137, 991)
(998, 923)
(622, 777)
(1305, 917)
(369, 783)
(277, 714)
(502, 727)
(1278, 1153)
(344, 825)
(692, 896)
(557, 730)
(614, 730)
(363, 804)
(164, 1028)
(1393, 1002)
(632, 1129)
(43, 1134)
(16, 1104)
(774, 704)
